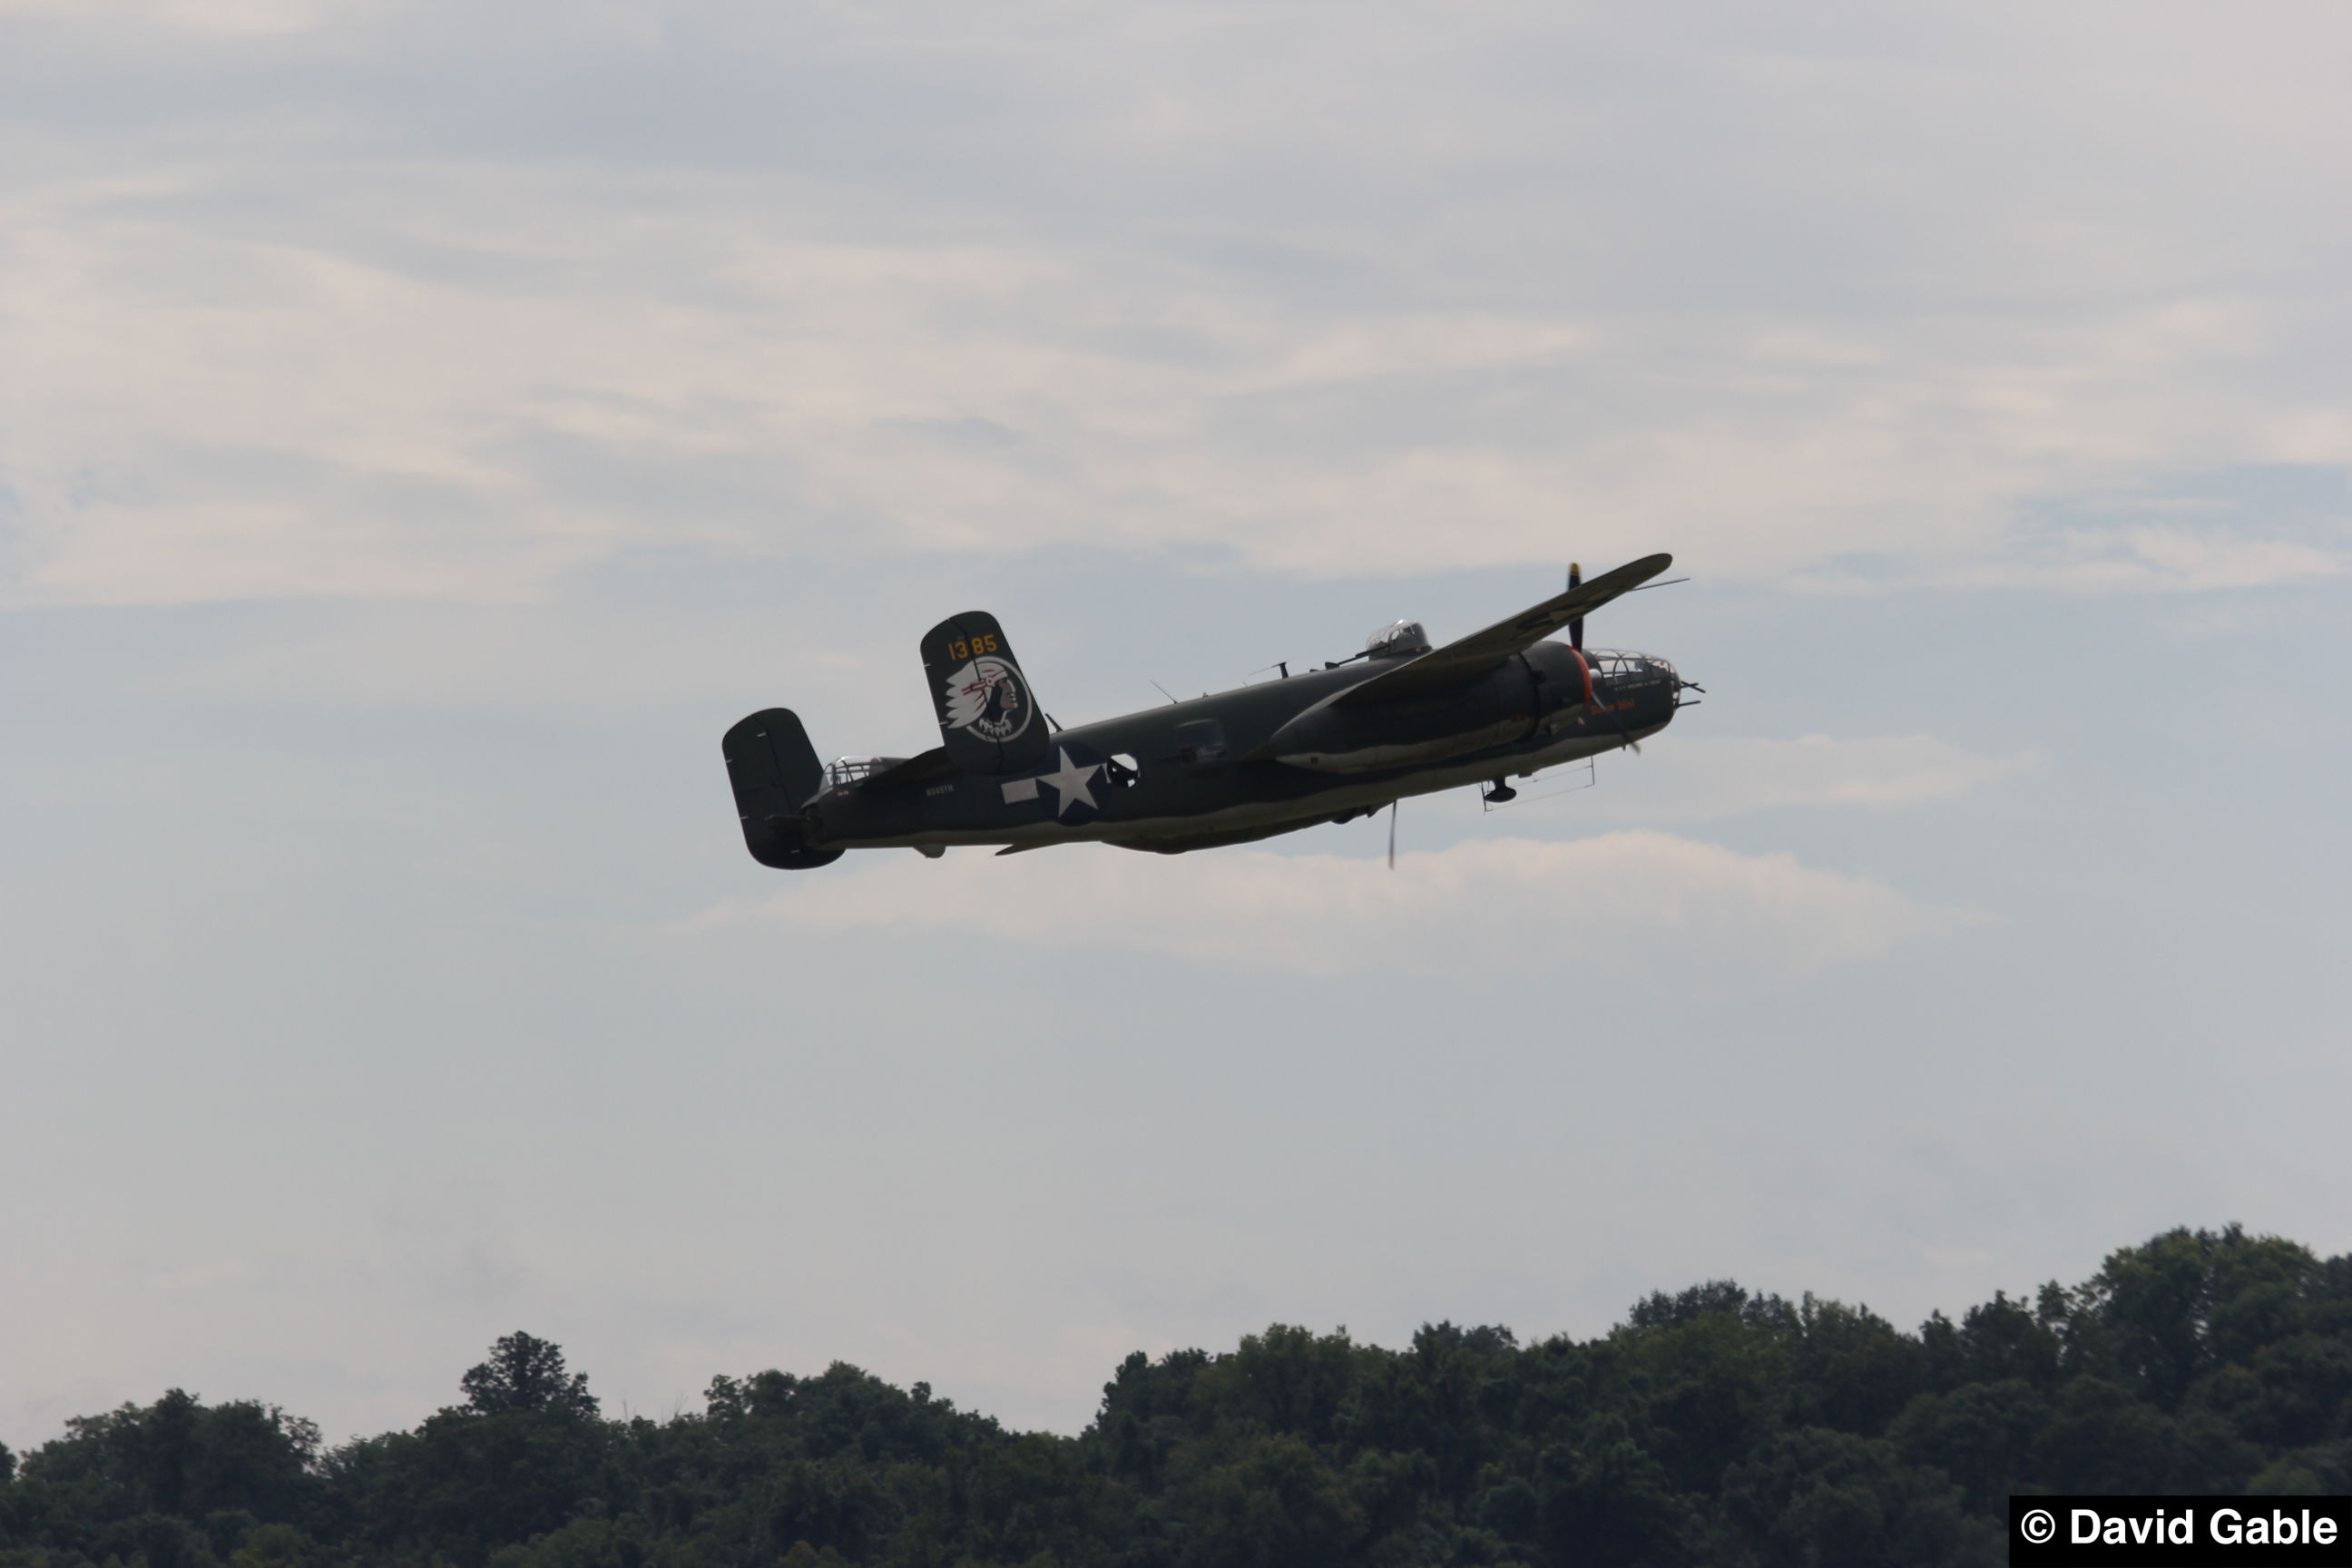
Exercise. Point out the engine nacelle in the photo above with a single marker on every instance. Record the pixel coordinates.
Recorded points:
(1497, 708)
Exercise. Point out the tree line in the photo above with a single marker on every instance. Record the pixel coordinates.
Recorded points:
(1712, 1426)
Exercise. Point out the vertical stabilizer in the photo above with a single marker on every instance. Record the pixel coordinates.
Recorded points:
(988, 718)
(774, 772)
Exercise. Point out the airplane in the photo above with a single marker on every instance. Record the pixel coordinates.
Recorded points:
(1401, 718)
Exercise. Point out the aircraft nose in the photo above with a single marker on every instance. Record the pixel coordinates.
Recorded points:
(1677, 683)
(1648, 677)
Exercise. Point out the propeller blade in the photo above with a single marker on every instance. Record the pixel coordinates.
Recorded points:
(1393, 805)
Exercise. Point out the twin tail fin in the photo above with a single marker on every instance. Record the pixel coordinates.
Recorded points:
(990, 724)
(775, 773)
(989, 718)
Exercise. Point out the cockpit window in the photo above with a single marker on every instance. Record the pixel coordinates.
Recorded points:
(1627, 668)
(843, 772)
(1397, 638)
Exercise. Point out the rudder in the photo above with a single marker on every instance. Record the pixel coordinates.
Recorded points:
(988, 712)
(774, 772)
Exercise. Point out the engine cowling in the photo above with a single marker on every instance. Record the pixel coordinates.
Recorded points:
(1496, 708)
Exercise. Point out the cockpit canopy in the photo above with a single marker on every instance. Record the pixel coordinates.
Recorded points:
(1397, 640)
(843, 772)
(1627, 669)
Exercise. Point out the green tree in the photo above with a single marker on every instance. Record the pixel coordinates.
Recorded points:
(2158, 1316)
(527, 1374)
(1712, 1425)
(1819, 1499)
(2102, 1439)
(1980, 1434)
(1276, 1504)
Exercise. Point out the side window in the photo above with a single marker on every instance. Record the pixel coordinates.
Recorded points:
(1201, 741)
(1122, 770)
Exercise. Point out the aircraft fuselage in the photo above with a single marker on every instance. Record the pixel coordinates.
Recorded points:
(1401, 718)
(1265, 758)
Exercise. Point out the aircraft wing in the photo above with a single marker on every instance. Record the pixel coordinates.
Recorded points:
(1458, 661)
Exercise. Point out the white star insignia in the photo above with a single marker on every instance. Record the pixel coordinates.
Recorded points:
(1071, 782)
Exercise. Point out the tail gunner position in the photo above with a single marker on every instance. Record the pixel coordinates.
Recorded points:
(1399, 718)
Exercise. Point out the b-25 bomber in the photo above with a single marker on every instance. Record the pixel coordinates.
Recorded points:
(1401, 718)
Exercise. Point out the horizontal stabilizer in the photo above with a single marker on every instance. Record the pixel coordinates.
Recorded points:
(1480, 651)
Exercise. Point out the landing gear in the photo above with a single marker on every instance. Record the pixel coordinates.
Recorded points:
(1498, 792)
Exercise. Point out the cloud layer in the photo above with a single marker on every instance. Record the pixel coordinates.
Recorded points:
(1697, 778)
(408, 303)
(1635, 902)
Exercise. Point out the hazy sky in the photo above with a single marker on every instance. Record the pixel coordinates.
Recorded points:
(425, 428)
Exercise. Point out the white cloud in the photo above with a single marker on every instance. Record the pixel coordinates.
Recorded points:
(1131, 285)
(2183, 559)
(231, 17)
(1694, 778)
(1633, 902)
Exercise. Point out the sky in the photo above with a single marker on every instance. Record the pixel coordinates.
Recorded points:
(425, 427)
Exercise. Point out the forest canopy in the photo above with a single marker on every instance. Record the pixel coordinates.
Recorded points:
(1710, 1426)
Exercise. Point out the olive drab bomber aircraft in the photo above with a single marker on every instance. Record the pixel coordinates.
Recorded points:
(1399, 718)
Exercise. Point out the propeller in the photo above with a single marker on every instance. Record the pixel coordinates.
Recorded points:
(1393, 805)
(1576, 626)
